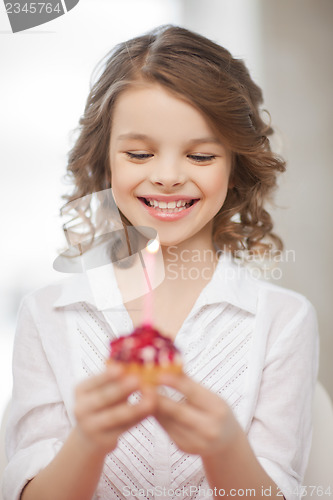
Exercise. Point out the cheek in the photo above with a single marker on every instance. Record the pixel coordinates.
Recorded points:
(123, 179)
(119, 182)
(216, 187)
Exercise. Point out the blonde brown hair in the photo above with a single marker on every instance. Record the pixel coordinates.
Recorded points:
(205, 74)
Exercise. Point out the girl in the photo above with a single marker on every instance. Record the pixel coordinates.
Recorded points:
(173, 124)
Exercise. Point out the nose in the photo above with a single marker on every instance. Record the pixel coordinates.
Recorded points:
(168, 173)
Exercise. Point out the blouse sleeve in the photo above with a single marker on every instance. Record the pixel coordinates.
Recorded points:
(38, 422)
(281, 430)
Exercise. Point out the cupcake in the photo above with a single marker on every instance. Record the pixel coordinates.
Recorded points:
(147, 353)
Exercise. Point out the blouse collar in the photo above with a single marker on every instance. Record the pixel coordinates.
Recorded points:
(231, 283)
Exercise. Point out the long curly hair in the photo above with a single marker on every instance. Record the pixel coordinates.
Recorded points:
(220, 87)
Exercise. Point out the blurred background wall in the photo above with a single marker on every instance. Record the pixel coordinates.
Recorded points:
(297, 55)
(45, 74)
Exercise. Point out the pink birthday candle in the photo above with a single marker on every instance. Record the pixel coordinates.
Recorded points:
(149, 270)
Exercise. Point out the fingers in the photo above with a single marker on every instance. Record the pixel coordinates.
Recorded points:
(111, 393)
(112, 373)
(123, 415)
(193, 430)
(104, 390)
(102, 409)
(196, 394)
(184, 436)
(185, 415)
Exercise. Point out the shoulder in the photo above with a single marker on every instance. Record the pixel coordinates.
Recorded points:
(289, 320)
(280, 300)
(275, 305)
(46, 295)
(269, 293)
(50, 299)
(46, 327)
(239, 284)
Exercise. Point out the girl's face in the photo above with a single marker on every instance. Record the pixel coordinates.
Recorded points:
(169, 171)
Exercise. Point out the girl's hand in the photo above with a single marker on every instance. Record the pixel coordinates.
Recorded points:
(102, 411)
(203, 424)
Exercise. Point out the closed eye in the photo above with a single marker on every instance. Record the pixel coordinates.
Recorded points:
(202, 158)
(138, 156)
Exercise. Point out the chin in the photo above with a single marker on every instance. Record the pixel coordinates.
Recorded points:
(172, 242)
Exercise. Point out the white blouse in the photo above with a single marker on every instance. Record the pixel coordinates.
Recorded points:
(251, 342)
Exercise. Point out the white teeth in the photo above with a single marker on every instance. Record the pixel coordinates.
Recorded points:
(170, 204)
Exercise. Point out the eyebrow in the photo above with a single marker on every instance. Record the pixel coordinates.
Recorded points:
(201, 140)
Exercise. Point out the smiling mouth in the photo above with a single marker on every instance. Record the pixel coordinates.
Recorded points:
(169, 207)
